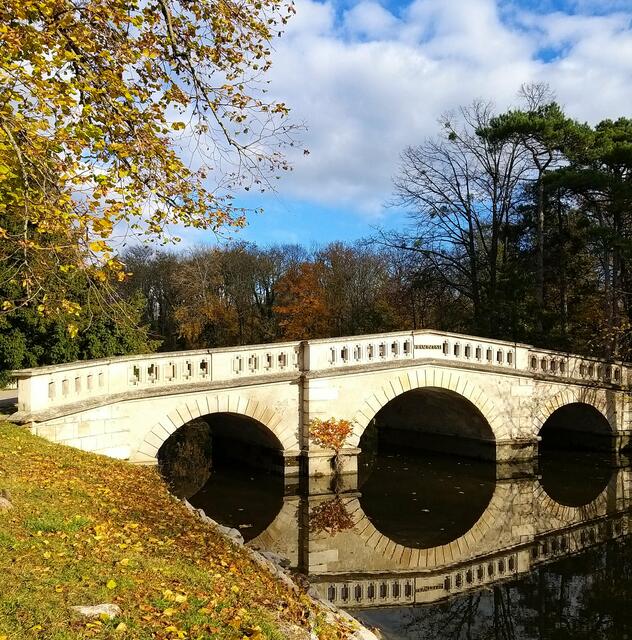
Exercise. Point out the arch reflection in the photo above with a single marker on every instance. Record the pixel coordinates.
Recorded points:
(425, 501)
(574, 478)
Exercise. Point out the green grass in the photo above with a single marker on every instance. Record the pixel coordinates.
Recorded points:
(53, 522)
(87, 530)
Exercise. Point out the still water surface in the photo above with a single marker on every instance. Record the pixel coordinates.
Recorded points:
(428, 546)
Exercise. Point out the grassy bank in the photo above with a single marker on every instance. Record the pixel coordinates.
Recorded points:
(87, 530)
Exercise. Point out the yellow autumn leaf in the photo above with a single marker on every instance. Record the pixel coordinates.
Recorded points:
(121, 627)
(178, 632)
(111, 584)
(181, 598)
(97, 246)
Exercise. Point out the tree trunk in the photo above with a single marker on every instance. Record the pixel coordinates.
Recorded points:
(563, 276)
(540, 258)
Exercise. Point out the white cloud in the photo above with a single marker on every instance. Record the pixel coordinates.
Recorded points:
(370, 20)
(367, 81)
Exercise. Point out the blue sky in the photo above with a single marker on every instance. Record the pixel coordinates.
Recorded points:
(368, 78)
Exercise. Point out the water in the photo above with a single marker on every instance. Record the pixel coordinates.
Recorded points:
(581, 596)
(439, 547)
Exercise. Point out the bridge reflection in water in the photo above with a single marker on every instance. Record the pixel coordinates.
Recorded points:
(427, 528)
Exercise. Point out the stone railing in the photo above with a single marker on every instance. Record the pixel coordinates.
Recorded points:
(334, 353)
(552, 363)
(58, 385)
(54, 386)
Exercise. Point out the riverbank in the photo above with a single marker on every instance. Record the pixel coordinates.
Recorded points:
(84, 530)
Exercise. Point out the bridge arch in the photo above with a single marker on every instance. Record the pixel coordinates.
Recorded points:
(208, 404)
(428, 378)
(589, 397)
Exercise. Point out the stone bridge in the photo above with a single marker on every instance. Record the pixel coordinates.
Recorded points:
(496, 394)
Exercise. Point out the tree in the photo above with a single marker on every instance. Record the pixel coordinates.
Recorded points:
(153, 276)
(543, 130)
(204, 312)
(302, 309)
(99, 102)
(29, 338)
(462, 190)
(599, 177)
(331, 434)
(355, 279)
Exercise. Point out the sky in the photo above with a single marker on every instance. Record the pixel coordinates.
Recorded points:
(368, 78)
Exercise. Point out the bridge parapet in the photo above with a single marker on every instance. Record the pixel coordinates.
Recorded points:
(58, 385)
(563, 365)
(332, 353)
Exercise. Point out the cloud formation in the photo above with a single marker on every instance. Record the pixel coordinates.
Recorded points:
(368, 80)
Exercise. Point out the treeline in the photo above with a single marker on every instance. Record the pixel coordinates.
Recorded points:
(520, 228)
(526, 217)
(244, 294)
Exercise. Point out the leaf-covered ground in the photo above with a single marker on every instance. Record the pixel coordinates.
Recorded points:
(86, 530)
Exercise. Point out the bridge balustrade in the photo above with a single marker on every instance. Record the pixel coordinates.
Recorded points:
(359, 350)
(46, 388)
(332, 353)
(551, 363)
(78, 382)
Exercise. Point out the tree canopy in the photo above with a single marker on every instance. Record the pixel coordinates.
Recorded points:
(525, 217)
(126, 117)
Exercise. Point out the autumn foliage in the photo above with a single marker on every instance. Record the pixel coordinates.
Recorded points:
(330, 517)
(302, 309)
(102, 103)
(331, 433)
